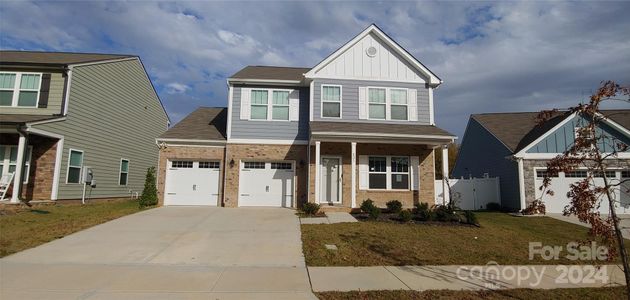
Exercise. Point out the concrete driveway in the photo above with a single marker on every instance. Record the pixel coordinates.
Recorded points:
(168, 252)
(624, 222)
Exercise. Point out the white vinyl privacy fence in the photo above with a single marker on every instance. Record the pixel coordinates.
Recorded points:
(471, 193)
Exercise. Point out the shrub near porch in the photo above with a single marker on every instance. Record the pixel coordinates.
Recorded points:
(501, 238)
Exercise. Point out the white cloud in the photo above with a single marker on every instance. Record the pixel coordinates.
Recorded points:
(176, 88)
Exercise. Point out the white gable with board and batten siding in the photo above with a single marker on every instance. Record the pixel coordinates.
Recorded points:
(372, 55)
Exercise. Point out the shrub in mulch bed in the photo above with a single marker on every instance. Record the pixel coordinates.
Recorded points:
(437, 215)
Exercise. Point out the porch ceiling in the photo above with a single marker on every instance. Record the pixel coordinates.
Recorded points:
(380, 133)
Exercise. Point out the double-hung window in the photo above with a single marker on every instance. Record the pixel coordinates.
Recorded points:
(388, 172)
(398, 106)
(331, 101)
(260, 100)
(280, 109)
(388, 103)
(19, 89)
(75, 164)
(123, 176)
(8, 160)
(377, 103)
(270, 104)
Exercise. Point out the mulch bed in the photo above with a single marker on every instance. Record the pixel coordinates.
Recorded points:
(394, 218)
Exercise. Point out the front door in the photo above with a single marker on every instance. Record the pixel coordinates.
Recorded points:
(331, 180)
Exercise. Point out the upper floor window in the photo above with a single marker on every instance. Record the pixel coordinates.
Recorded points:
(388, 103)
(19, 89)
(331, 101)
(264, 108)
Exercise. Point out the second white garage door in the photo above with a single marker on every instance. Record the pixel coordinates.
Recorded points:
(266, 184)
(560, 186)
(192, 183)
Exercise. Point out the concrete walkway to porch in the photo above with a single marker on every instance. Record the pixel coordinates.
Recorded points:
(422, 278)
(330, 218)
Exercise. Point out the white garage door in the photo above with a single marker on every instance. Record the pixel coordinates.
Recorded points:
(561, 185)
(266, 184)
(192, 183)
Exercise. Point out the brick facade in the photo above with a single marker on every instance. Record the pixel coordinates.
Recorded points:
(529, 174)
(187, 153)
(426, 169)
(238, 153)
(42, 166)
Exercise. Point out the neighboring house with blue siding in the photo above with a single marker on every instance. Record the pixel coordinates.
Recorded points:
(359, 125)
(63, 112)
(515, 148)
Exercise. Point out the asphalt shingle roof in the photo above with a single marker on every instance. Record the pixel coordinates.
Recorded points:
(378, 128)
(271, 73)
(54, 58)
(205, 123)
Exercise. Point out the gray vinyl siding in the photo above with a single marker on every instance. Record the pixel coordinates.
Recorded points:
(350, 100)
(113, 113)
(55, 95)
(482, 153)
(272, 130)
(564, 137)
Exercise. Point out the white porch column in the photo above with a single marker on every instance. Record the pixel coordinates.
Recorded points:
(445, 188)
(521, 182)
(317, 168)
(354, 174)
(19, 166)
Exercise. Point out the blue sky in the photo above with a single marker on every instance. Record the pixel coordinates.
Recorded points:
(492, 56)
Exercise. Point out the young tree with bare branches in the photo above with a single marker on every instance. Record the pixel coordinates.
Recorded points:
(588, 195)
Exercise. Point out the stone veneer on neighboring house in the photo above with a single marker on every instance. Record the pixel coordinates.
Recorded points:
(241, 152)
(187, 153)
(408, 198)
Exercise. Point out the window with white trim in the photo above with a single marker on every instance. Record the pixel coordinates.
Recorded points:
(388, 172)
(377, 103)
(208, 164)
(399, 106)
(182, 164)
(123, 176)
(386, 103)
(8, 160)
(280, 106)
(19, 89)
(270, 104)
(331, 101)
(75, 165)
(259, 104)
(399, 173)
(254, 165)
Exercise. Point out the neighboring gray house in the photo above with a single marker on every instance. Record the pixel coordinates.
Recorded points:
(61, 112)
(515, 148)
(358, 125)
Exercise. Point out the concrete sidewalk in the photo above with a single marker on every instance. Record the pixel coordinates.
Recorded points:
(422, 278)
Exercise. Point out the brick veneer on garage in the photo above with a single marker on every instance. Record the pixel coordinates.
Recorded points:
(408, 198)
(187, 153)
(238, 153)
(529, 174)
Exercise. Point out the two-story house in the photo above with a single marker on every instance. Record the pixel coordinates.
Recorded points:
(63, 112)
(359, 125)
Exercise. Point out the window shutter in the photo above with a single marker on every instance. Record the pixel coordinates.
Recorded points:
(363, 172)
(363, 107)
(44, 91)
(415, 174)
(294, 105)
(245, 103)
(413, 105)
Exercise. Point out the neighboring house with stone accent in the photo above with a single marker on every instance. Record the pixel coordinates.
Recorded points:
(359, 125)
(515, 148)
(61, 112)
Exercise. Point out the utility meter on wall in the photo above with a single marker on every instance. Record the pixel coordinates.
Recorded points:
(88, 175)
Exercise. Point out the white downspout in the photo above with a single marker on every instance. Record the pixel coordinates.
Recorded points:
(521, 182)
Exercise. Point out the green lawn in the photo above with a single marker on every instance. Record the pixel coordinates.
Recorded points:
(22, 227)
(501, 238)
(559, 294)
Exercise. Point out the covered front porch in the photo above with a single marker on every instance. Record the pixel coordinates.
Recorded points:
(30, 159)
(350, 163)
